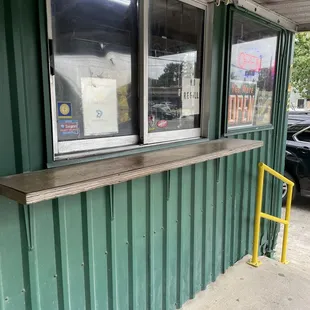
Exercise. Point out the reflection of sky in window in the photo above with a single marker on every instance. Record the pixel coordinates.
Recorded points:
(113, 66)
(124, 2)
(59, 6)
(265, 49)
(158, 64)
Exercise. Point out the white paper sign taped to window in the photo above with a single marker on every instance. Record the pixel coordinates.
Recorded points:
(190, 96)
(99, 100)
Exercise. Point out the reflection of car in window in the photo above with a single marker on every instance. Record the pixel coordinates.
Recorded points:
(297, 157)
(161, 111)
(162, 106)
(168, 104)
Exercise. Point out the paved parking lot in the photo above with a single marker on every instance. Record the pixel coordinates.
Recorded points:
(298, 251)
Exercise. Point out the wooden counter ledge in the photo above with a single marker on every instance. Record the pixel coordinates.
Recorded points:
(33, 187)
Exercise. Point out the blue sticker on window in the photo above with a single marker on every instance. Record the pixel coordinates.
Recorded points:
(64, 109)
(68, 127)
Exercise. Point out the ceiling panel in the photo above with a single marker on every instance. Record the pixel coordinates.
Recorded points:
(296, 10)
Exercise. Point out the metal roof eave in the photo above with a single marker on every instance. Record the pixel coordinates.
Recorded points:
(303, 27)
(268, 14)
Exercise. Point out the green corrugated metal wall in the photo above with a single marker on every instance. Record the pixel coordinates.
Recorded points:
(151, 243)
(143, 251)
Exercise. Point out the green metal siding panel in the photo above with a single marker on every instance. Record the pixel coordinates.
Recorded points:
(121, 244)
(172, 245)
(14, 276)
(42, 278)
(197, 237)
(138, 241)
(97, 218)
(228, 212)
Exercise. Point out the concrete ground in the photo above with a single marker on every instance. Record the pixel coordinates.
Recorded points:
(271, 286)
(298, 249)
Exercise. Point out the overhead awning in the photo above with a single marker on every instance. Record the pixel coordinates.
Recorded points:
(291, 14)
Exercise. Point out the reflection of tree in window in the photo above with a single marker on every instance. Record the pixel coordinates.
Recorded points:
(265, 79)
(172, 75)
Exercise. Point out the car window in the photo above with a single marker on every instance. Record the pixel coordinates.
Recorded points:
(293, 129)
(304, 135)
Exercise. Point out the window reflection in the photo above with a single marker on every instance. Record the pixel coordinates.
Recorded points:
(95, 67)
(175, 65)
(252, 73)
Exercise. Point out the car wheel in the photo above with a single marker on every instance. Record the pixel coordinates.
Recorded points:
(285, 188)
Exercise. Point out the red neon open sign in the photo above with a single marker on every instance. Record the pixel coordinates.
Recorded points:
(249, 62)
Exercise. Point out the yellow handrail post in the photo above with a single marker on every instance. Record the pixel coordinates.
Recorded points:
(259, 214)
(287, 218)
(259, 200)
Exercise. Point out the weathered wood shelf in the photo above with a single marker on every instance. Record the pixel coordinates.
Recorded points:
(33, 187)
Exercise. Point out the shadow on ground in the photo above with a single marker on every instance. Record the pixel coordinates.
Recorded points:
(302, 202)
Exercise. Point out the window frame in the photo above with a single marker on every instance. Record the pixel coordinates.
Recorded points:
(173, 135)
(102, 145)
(78, 145)
(250, 128)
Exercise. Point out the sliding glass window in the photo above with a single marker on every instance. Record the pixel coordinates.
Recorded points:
(175, 68)
(94, 46)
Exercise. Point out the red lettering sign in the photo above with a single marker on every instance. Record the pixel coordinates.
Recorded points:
(249, 62)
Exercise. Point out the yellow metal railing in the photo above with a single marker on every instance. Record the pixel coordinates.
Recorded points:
(259, 214)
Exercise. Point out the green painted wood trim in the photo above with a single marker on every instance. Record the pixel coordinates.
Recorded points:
(280, 137)
(226, 77)
(45, 80)
(22, 49)
(218, 69)
(18, 101)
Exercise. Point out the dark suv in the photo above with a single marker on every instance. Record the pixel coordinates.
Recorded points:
(297, 158)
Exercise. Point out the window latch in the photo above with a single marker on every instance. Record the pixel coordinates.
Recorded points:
(51, 57)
